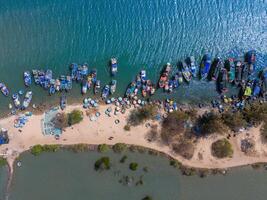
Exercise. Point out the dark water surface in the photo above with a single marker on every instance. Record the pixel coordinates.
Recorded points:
(68, 176)
(141, 34)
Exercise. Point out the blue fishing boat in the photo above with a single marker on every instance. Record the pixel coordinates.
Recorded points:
(27, 78)
(27, 100)
(94, 75)
(143, 76)
(16, 100)
(264, 81)
(138, 81)
(74, 70)
(250, 57)
(84, 86)
(114, 66)
(63, 82)
(113, 86)
(256, 88)
(63, 102)
(47, 79)
(84, 70)
(230, 66)
(191, 63)
(4, 89)
(52, 89)
(205, 66)
(105, 92)
(97, 86)
(68, 83)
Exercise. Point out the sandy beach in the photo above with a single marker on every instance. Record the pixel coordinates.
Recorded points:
(101, 131)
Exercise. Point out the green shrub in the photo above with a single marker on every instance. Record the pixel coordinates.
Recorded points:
(210, 123)
(102, 164)
(140, 115)
(123, 159)
(222, 148)
(37, 149)
(103, 148)
(173, 126)
(184, 148)
(147, 198)
(133, 166)
(119, 147)
(75, 117)
(175, 163)
(255, 113)
(78, 148)
(3, 162)
(234, 121)
(51, 148)
(127, 127)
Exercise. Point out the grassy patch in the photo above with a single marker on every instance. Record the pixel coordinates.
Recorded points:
(102, 148)
(119, 147)
(140, 115)
(75, 117)
(222, 148)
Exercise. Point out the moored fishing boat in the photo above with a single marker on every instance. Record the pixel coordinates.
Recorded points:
(138, 81)
(113, 66)
(84, 86)
(4, 89)
(105, 92)
(94, 75)
(16, 100)
(113, 86)
(222, 80)
(230, 66)
(256, 88)
(245, 72)
(238, 72)
(27, 100)
(130, 92)
(74, 70)
(97, 86)
(27, 78)
(185, 71)
(263, 77)
(52, 89)
(250, 57)
(143, 76)
(68, 83)
(218, 66)
(57, 85)
(63, 102)
(164, 78)
(191, 63)
(205, 66)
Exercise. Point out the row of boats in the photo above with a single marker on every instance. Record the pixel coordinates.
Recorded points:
(22, 104)
(223, 72)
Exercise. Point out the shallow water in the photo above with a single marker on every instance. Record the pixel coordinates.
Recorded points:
(68, 176)
(141, 34)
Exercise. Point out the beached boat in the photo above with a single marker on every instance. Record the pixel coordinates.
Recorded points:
(250, 57)
(113, 86)
(63, 102)
(164, 78)
(218, 66)
(84, 86)
(27, 100)
(105, 92)
(74, 70)
(185, 71)
(97, 86)
(205, 66)
(130, 92)
(94, 75)
(16, 100)
(4, 89)
(263, 77)
(191, 63)
(238, 72)
(222, 80)
(27, 78)
(113, 66)
(143, 76)
(230, 66)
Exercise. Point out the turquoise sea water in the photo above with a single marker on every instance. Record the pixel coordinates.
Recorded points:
(69, 176)
(141, 34)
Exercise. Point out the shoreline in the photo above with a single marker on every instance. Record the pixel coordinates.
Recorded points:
(99, 132)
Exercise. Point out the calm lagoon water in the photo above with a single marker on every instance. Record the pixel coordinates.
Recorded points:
(141, 34)
(68, 176)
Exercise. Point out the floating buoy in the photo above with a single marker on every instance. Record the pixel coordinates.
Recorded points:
(19, 164)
